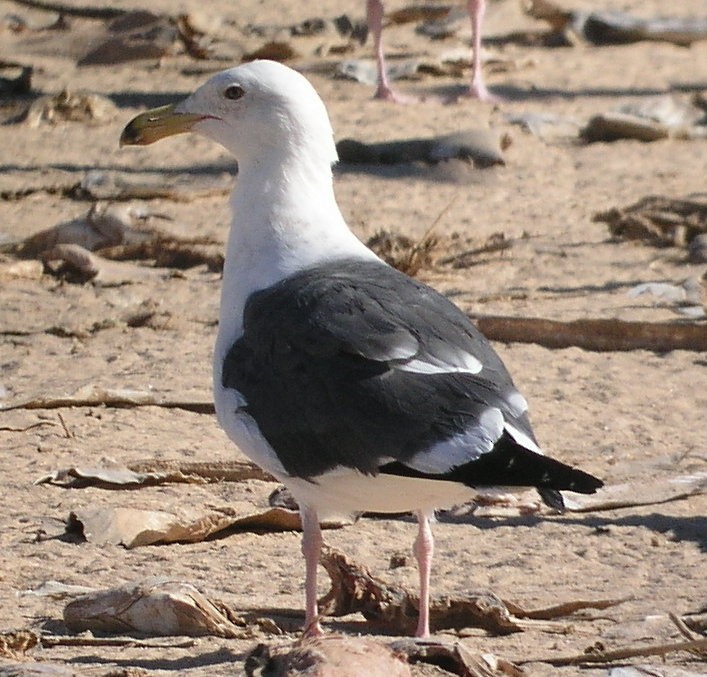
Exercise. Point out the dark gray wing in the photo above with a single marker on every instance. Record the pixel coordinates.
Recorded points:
(354, 364)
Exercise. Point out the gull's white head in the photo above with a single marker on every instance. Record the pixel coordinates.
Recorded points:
(253, 110)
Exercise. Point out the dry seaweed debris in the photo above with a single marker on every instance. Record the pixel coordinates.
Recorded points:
(338, 655)
(658, 220)
(455, 658)
(133, 527)
(402, 252)
(392, 608)
(158, 607)
(118, 231)
(15, 643)
(68, 106)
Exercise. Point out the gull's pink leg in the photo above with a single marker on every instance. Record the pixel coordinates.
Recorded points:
(424, 549)
(477, 9)
(374, 15)
(311, 549)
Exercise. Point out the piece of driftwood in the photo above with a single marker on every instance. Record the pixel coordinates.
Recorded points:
(595, 334)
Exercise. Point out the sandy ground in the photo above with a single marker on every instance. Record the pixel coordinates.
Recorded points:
(625, 416)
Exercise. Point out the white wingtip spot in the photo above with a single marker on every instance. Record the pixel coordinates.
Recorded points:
(517, 403)
(468, 364)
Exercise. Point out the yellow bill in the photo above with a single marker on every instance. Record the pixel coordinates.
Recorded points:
(156, 124)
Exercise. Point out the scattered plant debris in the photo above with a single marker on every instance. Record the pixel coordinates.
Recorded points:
(15, 643)
(402, 252)
(497, 242)
(68, 106)
(658, 220)
(392, 608)
(118, 231)
(455, 657)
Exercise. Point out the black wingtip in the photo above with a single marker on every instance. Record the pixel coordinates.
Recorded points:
(512, 465)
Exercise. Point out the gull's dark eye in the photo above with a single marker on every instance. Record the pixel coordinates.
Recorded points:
(234, 92)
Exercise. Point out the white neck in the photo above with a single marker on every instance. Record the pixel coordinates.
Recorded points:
(285, 218)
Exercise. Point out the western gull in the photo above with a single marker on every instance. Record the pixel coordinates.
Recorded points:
(477, 86)
(358, 387)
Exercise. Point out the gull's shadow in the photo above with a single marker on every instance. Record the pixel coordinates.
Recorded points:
(684, 529)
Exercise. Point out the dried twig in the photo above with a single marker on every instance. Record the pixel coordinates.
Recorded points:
(92, 396)
(62, 8)
(563, 609)
(10, 429)
(87, 640)
(683, 629)
(67, 432)
(495, 243)
(593, 656)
